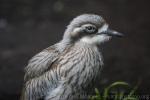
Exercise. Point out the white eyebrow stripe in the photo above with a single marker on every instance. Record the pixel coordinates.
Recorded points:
(103, 28)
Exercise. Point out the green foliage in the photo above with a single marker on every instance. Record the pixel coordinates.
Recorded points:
(112, 92)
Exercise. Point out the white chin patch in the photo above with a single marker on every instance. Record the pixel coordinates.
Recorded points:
(97, 39)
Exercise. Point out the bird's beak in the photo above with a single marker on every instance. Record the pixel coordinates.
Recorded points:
(112, 33)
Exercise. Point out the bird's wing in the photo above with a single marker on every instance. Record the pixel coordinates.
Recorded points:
(38, 75)
(40, 63)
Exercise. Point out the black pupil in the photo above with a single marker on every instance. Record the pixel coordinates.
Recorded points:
(90, 28)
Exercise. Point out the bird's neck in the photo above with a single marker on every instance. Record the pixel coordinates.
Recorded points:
(67, 43)
(63, 44)
(87, 45)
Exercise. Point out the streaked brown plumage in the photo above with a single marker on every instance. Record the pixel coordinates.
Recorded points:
(64, 70)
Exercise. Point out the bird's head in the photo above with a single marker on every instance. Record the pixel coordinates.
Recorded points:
(90, 29)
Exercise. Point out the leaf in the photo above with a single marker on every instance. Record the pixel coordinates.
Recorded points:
(106, 90)
(117, 84)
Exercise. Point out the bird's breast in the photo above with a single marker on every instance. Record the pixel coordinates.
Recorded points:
(80, 65)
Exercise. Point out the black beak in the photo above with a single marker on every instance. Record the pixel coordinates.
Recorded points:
(112, 33)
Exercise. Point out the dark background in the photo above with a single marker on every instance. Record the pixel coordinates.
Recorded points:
(28, 26)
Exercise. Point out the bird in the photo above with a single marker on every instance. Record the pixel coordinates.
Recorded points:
(64, 70)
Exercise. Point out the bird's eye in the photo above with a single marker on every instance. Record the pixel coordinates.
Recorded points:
(90, 29)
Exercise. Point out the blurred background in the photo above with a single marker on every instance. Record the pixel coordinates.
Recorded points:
(28, 26)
